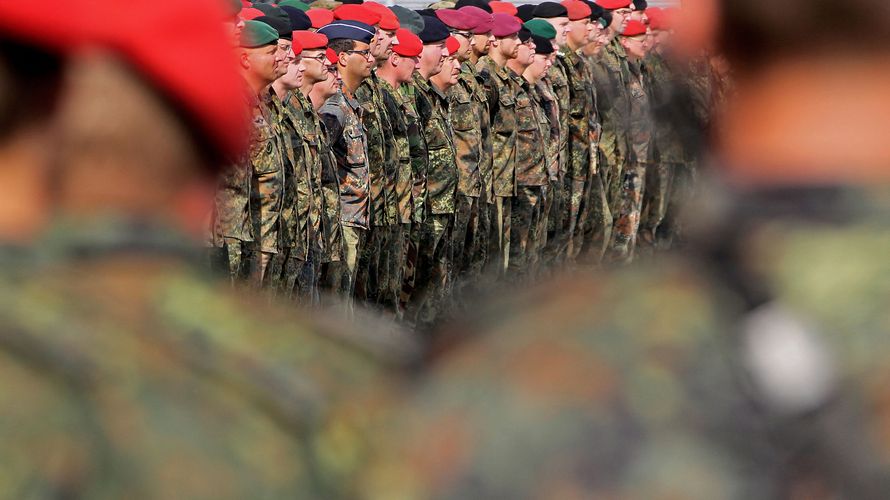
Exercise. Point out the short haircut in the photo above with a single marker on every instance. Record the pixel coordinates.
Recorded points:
(341, 45)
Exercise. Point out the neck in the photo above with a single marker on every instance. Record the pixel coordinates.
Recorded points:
(498, 57)
(317, 100)
(441, 82)
(279, 89)
(572, 46)
(22, 183)
(350, 83)
(801, 141)
(474, 57)
(306, 89)
(516, 67)
(532, 79)
(388, 75)
(257, 85)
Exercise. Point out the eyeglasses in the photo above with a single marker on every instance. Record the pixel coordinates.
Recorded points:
(363, 53)
(622, 12)
(320, 58)
(465, 34)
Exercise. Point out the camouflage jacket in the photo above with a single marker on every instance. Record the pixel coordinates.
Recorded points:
(441, 179)
(340, 115)
(660, 81)
(549, 106)
(611, 76)
(308, 147)
(559, 82)
(580, 110)
(231, 211)
(640, 123)
(382, 152)
(269, 172)
(502, 108)
(405, 129)
(419, 155)
(293, 228)
(531, 149)
(126, 374)
(468, 111)
(696, 377)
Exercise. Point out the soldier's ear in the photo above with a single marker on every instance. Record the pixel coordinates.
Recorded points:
(395, 60)
(244, 59)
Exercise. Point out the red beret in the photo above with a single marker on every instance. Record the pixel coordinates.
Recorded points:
(310, 40)
(480, 20)
(503, 8)
(356, 12)
(320, 17)
(388, 20)
(455, 19)
(658, 19)
(58, 27)
(634, 28)
(409, 44)
(181, 62)
(333, 58)
(504, 25)
(452, 45)
(613, 4)
(296, 47)
(250, 13)
(577, 9)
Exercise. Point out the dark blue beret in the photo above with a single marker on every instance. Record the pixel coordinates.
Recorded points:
(548, 10)
(299, 21)
(526, 12)
(349, 30)
(434, 30)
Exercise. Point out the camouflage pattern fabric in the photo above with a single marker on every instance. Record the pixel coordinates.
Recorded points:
(558, 234)
(130, 375)
(578, 171)
(611, 77)
(267, 164)
(663, 380)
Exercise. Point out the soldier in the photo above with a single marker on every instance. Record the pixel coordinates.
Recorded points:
(378, 261)
(502, 108)
(434, 256)
(468, 114)
(397, 71)
(531, 168)
(754, 367)
(340, 114)
(127, 373)
(248, 202)
(559, 234)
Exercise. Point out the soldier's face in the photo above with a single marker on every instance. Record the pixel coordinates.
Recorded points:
(452, 65)
(562, 25)
(359, 60)
(482, 44)
(381, 44)
(635, 46)
(539, 66)
(466, 40)
(619, 19)
(284, 51)
(264, 62)
(580, 33)
(293, 78)
(509, 46)
(660, 38)
(432, 58)
(315, 64)
(525, 52)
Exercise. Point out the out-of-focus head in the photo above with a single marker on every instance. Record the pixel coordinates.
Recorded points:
(634, 40)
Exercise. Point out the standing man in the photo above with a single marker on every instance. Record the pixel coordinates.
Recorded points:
(247, 222)
(350, 40)
(434, 260)
(468, 113)
(532, 175)
(502, 108)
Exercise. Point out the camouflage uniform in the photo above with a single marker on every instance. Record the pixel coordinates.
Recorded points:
(630, 200)
(611, 76)
(267, 184)
(532, 177)
(468, 112)
(403, 126)
(668, 384)
(578, 176)
(668, 155)
(435, 258)
(597, 224)
(558, 234)
(379, 259)
(128, 375)
(502, 108)
(340, 115)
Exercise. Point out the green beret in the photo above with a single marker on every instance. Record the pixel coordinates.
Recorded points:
(541, 28)
(256, 34)
(409, 19)
(294, 3)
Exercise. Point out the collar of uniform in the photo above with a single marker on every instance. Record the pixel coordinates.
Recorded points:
(422, 84)
(350, 101)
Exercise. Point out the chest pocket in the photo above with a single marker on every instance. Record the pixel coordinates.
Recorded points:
(525, 114)
(355, 145)
(506, 122)
(580, 98)
(435, 133)
(463, 113)
(263, 154)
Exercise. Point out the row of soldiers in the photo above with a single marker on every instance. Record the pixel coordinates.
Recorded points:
(399, 157)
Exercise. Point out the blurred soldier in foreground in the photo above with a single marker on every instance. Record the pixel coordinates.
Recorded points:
(125, 373)
(753, 367)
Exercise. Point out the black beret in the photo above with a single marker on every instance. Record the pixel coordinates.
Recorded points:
(542, 45)
(526, 12)
(282, 27)
(482, 4)
(524, 34)
(354, 2)
(299, 21)
(640, 4)
(548, 10)
(426, 12)
(434, 30)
